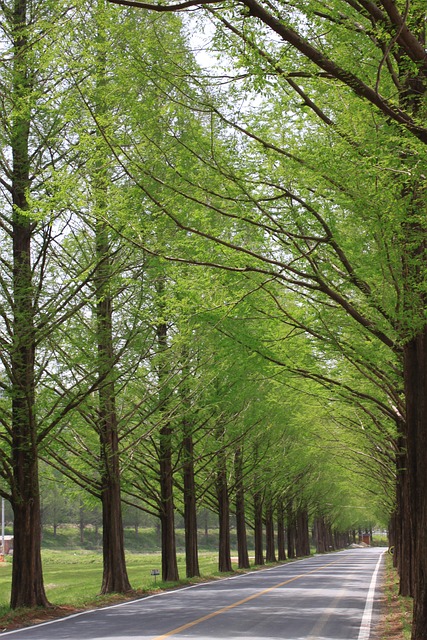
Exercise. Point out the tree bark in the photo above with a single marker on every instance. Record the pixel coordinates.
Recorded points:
(242, 542)
(188, 472)
(224, 552)
(320, 534)
(27, 578)
(258, 527)
(281, 547)
(167, 516)
(415, 369)
(190, 509)
(115, 578)
(291, 530)
(302, 533)
(270, 552)
(167, 509)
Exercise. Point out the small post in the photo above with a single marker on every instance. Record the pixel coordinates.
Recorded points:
(155, 573)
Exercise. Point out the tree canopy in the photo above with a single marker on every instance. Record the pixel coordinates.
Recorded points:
(212, 288)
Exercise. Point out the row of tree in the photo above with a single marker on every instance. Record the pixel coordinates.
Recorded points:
(186, 315)
(335, 179)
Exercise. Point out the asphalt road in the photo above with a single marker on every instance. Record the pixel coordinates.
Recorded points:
(329, 597)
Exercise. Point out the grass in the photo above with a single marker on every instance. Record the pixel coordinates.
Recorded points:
(147, 540)
(72, 569)
(73, 578)
(396, 617)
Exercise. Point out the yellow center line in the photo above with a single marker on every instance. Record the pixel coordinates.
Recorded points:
(237, 604)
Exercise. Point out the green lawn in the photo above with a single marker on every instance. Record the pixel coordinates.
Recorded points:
(74, 577)
(72, 568)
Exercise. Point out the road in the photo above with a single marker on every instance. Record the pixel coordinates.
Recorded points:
(328, 597)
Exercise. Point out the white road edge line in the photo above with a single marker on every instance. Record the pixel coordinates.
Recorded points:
(154, 595)
(126, 602)
(365, 625)
(162, 593)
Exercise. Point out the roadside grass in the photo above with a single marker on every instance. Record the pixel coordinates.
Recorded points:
(73, 580)
(72, 569)
(396, 611)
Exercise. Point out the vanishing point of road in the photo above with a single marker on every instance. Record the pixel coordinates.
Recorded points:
(326, 597)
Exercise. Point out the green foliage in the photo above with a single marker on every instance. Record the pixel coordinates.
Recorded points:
(264, 234)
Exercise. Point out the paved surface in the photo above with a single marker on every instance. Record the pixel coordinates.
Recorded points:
(328, 597)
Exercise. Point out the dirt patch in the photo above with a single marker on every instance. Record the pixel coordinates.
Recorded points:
(16, 620)
(27, 617)
(395, 611)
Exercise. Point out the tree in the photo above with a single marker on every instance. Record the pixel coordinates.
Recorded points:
(115, 578)
(25, 487)
(115, 324)
(36, 166)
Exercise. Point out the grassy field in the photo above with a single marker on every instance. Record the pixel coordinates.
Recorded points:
(72, 568)
(73, 578)
(147, 540)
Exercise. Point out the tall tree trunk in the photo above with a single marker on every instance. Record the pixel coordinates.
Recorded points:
(242, 542)
(189, 482)
(115, 578)
(167, 515)
(320, 534)
(270, 552)
(413, 96)
(302, 533)
(224, 554)
(258, 527)
(190, 508)
(281, 548)
(27, 578)
(291, 529)
(415, 368)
